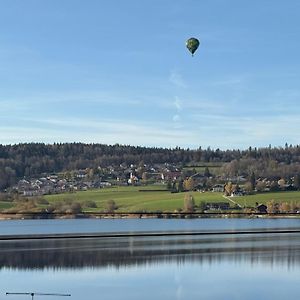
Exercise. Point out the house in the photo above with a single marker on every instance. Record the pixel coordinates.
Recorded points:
(237, 193)
(218, 205)
(261, 208)
(218, 188)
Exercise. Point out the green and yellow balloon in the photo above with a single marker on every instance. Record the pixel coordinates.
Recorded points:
(192, 44)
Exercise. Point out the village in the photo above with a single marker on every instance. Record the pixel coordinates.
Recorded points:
(174, 178)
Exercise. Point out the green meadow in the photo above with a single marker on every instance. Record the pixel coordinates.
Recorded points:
(130, 199)
(5, 205)
(250, 200)
(154, 198)
(214, 168)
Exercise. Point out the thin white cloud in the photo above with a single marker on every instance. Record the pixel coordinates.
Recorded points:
(176, 118)
(178, 104)
(22, 102)
(240, 132)
(194, 104)
(105, 131)
(176, 79)
(233, 81)
(213, 128)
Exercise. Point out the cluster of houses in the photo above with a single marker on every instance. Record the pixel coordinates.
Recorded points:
(133, 175)
(52, 184)
(85, 179)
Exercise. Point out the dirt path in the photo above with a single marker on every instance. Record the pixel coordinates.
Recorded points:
(232, 201)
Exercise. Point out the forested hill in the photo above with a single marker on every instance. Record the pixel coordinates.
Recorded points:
(32, 159)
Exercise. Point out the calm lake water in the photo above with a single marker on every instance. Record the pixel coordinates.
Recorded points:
(265, 266)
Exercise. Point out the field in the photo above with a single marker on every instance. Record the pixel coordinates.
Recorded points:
(5, 205)
(279, 197)
(214, 168)
(154, 198)
(129, 199)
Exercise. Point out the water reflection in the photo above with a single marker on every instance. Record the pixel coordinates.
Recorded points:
(271, 249)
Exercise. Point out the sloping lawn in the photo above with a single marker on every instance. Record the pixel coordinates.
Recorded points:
(129, 199)
(250, 200)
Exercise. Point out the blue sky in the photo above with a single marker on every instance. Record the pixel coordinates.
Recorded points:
(105, 71)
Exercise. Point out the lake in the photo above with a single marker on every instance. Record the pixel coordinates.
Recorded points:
(251, 266)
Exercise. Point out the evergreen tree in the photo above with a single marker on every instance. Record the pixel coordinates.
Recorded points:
(252, 181)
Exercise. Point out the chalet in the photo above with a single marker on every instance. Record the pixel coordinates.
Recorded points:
(218, 188)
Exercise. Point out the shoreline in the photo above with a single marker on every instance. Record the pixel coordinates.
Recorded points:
(143, 215)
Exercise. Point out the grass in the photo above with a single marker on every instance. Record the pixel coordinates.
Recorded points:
(130, 199)
(5, 205)
(214, 168)
(135, 199)
(250, 200)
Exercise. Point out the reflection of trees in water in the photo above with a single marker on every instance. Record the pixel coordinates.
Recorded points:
(122, 252)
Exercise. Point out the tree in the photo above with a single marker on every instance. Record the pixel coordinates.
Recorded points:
(202, 206)
(228, 189)
(110, 206)
(252, 180)
(180, 186)
(144, 177)
(272, 207)
(90, 173)
(281, 183)
(284, 207)
(260, 186)
(189, 184)
(169, 185)
(297, 181)
(248, 187)
(189, 203)
(75, 208)
(274, 186)
(206, 172)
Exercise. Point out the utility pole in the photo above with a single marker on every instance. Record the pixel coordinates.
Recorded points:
(39, 294)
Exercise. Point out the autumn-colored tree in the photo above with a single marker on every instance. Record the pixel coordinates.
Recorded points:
(189, 184)
(228, 189)
(260, 186)
(189, 203)
(144, 177)
(248, 187)
(90, 173)
(272, 207)
(284, 207)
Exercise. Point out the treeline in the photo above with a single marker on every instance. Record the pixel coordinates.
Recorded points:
(33, 159)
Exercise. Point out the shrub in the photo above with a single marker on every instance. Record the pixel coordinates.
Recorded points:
(90, 204)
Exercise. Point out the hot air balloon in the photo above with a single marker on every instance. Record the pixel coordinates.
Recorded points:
(192, 44)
